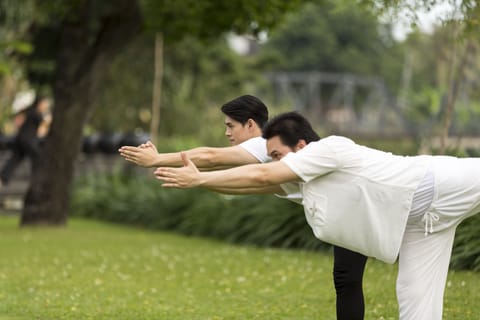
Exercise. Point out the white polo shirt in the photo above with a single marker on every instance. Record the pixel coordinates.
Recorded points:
(356, 197)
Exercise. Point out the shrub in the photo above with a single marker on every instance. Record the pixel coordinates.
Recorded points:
(256, 220)
(466, 249)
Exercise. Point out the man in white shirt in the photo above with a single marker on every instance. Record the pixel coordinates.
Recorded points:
(376, 203)
(244, 118)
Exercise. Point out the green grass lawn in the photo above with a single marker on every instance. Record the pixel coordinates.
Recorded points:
(91, 270)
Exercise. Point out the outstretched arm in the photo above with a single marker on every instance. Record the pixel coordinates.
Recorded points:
(245, 177)
(146, 155)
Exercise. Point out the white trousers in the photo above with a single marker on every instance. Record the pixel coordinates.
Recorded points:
(427, 243)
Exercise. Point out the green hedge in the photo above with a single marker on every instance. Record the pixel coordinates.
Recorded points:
(466, 249)
(262, 220)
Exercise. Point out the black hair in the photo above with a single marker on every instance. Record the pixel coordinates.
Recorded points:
(246, 107)
(290, 127)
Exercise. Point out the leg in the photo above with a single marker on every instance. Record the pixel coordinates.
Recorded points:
(424, 260)
(348, 270)
(422, 274)
(32, 150)
(10, 166)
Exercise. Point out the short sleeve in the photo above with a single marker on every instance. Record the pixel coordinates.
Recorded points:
(316, 159)
(257, 147)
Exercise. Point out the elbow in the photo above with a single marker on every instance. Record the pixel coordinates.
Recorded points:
(263, 177)
(205, 158)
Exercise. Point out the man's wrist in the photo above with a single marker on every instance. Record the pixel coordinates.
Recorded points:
(200, 179)
(157, 161)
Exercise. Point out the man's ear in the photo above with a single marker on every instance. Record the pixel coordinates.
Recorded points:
(300, 145)
(251, 123)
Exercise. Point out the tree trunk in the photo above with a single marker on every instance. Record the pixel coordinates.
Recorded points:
(452, 96)
(157, 88)
(83, 58)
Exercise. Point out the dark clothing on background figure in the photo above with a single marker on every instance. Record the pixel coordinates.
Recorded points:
(25, 144)
(28, 131)
(348, 267)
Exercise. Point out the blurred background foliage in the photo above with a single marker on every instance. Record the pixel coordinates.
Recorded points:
(202, 75)
(202, 71)
(327, 36)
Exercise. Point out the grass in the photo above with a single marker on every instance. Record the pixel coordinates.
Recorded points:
(92, 270)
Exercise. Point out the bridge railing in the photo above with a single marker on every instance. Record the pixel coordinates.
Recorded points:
(357, 105)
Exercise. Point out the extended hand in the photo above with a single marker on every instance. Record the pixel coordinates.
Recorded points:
(144, 155)
(187, 176)
(148, 144)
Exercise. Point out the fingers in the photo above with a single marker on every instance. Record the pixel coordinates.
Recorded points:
(131, 151)
(147, 144)
(130, 154)
(133, 160)
(172, 185)
(166, 174)
(162, 171)
(166, 179)
(142, 145)
(127, 154)
(128, 150)
(169, 181)
(152, 146)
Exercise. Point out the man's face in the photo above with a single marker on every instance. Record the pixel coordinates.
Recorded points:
(236, 132)
(276, 149)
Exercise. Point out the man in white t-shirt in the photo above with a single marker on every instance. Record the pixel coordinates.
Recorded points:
(373, 202)
(244, 118)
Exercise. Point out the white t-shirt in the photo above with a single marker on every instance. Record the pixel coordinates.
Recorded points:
(258, 148)
(356, 197)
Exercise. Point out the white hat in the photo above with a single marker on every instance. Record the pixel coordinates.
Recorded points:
(23, 100)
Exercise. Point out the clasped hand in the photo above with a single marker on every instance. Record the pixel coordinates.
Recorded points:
(143, 155)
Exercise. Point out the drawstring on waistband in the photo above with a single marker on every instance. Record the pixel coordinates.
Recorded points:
(429, 218)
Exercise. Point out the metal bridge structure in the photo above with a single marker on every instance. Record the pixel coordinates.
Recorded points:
(361, 106)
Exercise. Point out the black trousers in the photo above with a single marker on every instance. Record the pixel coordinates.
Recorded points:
(348, 267)
(20, 150)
